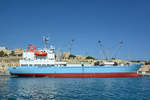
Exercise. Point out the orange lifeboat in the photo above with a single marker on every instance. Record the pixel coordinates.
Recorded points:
(32, 48)
(40, 53)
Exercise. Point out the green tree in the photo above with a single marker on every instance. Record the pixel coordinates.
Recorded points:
(12, 53)
(5, 55)
(89, 57)
(72, 56)
(2, 53)
(113, 58)
(19, 54)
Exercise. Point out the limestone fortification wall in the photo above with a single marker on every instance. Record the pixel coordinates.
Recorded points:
(9, 61)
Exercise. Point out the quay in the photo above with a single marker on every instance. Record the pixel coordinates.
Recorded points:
(144, 70)
(8, 61)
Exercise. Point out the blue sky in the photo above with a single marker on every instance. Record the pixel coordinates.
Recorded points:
(24, 22)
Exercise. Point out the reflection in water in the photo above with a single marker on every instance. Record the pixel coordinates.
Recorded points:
(3, 83)
(3, 79)
(73, 88)
(36, 88)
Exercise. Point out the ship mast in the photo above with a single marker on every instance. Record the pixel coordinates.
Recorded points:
(70, 45)
(45, 40)
(101, 46)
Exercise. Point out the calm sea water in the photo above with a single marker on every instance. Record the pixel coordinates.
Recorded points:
(16, 88)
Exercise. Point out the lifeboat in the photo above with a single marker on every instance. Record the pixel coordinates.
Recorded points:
(40, 53)
(32, 48)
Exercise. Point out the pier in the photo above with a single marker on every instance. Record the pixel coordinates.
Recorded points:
(144, 70)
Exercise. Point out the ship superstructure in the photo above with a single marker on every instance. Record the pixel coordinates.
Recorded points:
(41, 57)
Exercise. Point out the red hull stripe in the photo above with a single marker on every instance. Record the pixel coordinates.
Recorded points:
(79, 75)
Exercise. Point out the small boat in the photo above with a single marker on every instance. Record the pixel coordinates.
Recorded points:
(40, 53)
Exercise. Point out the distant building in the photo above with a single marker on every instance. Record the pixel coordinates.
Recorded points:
(66, 55)
(79, 57)
(18, 51)
(6, 51)
(2, 48)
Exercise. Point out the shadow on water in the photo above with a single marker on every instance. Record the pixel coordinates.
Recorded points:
(74, 88)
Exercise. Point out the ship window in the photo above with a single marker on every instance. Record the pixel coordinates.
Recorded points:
(65, 64)
(147, 71)
(24, 64)
(140, 72)
(43, 64)
(48, 65)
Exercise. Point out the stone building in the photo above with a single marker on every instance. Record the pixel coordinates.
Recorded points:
(18, 51)
(2, 48)
(66, 55)
(5, 50)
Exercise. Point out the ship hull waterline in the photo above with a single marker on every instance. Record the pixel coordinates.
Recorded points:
(79, 75)
(76, 72)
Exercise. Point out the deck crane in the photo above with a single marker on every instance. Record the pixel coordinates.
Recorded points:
(117, 49)
(70, 45)
(102, 48)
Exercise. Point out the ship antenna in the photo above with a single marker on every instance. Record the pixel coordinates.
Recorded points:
(45, 40)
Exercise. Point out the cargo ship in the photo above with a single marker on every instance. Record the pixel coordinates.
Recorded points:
(42, 63)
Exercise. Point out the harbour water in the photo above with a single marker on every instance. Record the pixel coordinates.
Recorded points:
(34, 88)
